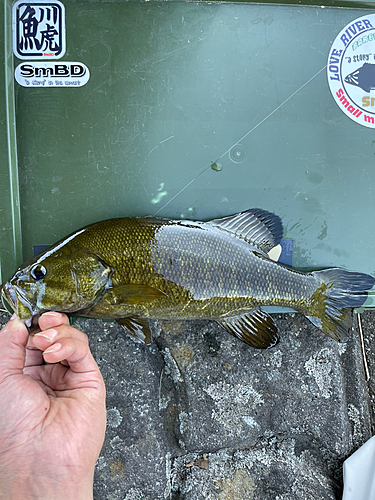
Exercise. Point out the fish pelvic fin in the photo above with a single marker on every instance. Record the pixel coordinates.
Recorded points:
(331, 305)
(256, 329)
(258, 227)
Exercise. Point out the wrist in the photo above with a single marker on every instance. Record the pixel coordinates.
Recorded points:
(39, 486)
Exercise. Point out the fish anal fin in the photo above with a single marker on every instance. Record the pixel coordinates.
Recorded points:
(138, 327)
(256, 329)
(132, 294)
(258, 227)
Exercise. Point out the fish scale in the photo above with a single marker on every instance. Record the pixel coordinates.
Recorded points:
(135, 269)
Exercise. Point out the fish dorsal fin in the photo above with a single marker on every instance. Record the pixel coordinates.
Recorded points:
(256, 226)
(138, 327)
(255, 328)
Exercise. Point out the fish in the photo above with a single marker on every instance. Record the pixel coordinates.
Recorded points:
(139, 268)
(363, 77)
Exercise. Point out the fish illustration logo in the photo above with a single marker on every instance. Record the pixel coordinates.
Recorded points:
(363, 77)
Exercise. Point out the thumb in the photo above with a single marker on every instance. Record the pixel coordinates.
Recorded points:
(13, 340)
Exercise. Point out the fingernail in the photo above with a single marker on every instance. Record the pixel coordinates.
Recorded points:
(53, 313)
(13, 317)
(53, 348)
(44, 336)
(49, 334)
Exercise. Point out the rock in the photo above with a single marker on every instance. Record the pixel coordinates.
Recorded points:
(270, 470)
(200, 415)
(140, 416)
(231, 397)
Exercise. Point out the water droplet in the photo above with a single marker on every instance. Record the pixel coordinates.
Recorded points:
(237, 153)
(216, 166)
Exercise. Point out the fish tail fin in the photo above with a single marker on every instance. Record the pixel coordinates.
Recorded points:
(337, 294)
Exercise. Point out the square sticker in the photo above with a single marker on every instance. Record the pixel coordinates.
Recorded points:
(38, 29)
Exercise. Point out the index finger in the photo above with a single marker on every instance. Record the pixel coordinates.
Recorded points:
(68, 344)
(52, 319)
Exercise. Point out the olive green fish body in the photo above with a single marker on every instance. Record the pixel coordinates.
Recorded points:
(135, 269)
(203, 271)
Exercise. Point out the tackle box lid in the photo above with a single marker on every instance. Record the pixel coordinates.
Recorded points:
(191, 110)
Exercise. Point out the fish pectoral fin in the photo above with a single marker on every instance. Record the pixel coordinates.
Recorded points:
(132, 294)
(255, 328)
(138, 327)
(258, 227)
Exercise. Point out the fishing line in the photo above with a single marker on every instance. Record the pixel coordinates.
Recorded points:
(274, 111)
(242, 138)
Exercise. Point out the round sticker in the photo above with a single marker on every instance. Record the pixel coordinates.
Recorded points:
(351, 70)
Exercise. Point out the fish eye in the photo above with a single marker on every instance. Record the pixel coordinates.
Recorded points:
(38, 272)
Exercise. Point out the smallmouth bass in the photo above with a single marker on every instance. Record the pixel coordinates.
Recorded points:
(135, 269)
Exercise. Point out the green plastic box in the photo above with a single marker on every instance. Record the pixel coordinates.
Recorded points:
(191, 110)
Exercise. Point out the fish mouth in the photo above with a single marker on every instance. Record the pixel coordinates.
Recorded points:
(8, 297)
(14, 298)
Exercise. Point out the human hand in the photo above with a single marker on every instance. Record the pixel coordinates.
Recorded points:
(52, 416)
